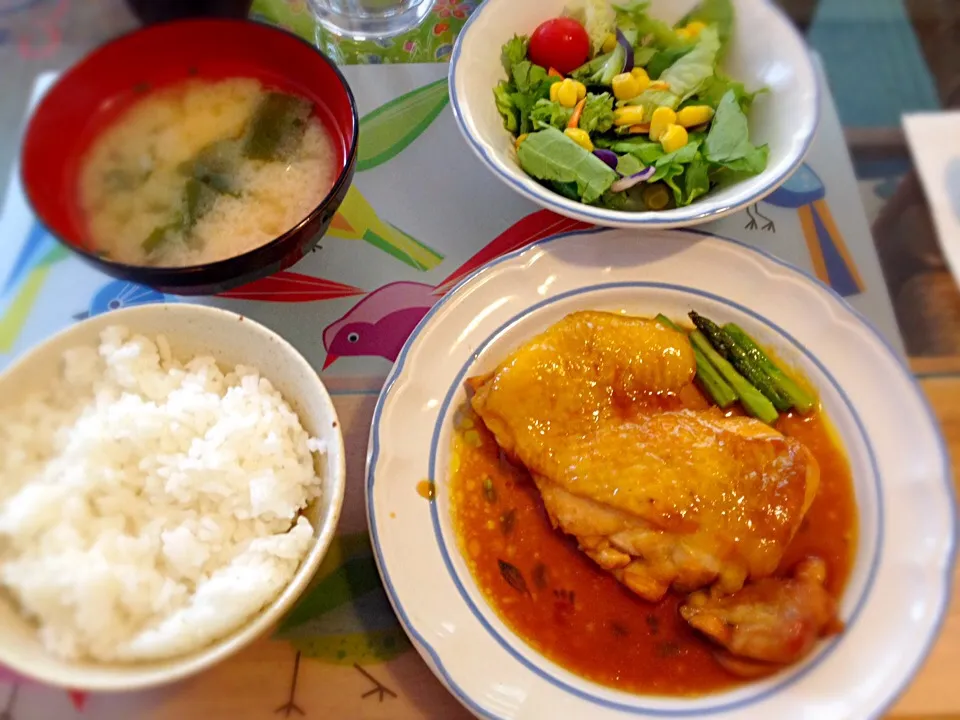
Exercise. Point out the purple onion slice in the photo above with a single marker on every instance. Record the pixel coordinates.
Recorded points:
(628, 182)
(608, 156)
(625, 44)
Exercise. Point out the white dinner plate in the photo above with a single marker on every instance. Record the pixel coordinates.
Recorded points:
(898, 589)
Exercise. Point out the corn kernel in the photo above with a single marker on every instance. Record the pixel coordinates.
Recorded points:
(625, 86)
(554, 91)
(655, 196)
(609, 43)
(580, 137)
(581, 89)
(567, 94)
(694, 115)
(629, 115)
(695, 27)
(662, 118)
(673, 138)
(641, 75)
(683, 34)
(519, 140)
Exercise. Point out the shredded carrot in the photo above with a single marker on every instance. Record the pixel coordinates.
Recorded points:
(638, 129)
(555, 73)
(574, 121)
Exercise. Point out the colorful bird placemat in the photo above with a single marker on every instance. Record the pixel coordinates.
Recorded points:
(422, 213)
(395, 247)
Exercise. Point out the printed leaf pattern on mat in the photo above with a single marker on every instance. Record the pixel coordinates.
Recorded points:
(357, 220)
(292, 287)
(40, 254)
(379, 324)
(344, 617)
(388, 130)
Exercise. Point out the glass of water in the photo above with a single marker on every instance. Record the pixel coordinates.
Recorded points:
(360, 19)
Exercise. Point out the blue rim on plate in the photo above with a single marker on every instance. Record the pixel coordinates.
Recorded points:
(375, 451)
(632, 219)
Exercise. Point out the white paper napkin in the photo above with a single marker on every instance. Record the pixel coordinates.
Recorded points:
(934, 140)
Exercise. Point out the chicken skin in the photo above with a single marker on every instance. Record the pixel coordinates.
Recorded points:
(659, 497)
(769, 623)
(586, 367)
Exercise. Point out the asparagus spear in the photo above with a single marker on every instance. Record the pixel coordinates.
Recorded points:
(717, 388)
(737, 357)
(799, 398)
(753, 400)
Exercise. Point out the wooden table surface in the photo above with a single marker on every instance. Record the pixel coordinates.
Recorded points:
(935, 693)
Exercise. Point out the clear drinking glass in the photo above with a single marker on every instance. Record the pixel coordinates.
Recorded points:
(359, 19)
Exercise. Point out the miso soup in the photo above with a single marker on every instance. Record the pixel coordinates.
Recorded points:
(204, 170)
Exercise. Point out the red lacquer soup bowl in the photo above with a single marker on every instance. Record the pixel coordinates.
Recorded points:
(91, 95)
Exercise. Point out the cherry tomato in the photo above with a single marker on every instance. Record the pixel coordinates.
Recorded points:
(560, 43)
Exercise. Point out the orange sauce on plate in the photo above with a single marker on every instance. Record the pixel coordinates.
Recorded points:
(574, 613)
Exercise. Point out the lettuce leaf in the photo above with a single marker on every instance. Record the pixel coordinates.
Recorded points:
(685, 77)
(549, 155)
(632, 15)
(718, 13)
(691, 71)
(526, 76)
(602, 69)
(753, 162)
(643, 55)
(671, 168)
(696, 181)
(642, 148)
(508, 111)
(590, 67)
(663, 59)
(728, 141)
(513, 52)
(531, 84)
(526, 84)
(567, 189)
(713, 90)
(599, 20)
(547, 113)
(597, 115)
(629, 165)
(652, 99)
(617, 200)
(668, 162)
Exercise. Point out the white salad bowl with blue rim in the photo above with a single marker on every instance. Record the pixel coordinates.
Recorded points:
(765, 51)
(898, 589)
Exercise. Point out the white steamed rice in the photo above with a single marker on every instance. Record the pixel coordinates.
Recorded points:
(149, 507)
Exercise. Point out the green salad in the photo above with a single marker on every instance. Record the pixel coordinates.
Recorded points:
(614, 108)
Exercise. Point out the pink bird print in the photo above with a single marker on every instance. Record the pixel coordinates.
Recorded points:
(381, 322)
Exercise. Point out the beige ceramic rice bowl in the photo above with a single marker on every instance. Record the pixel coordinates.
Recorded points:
(192, 331)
